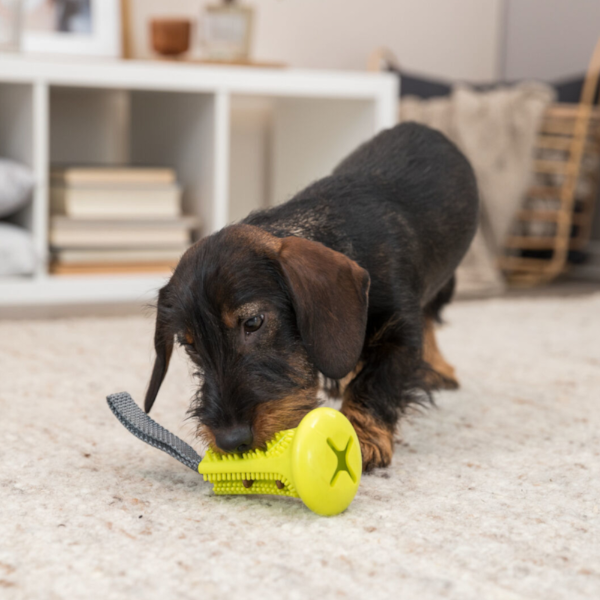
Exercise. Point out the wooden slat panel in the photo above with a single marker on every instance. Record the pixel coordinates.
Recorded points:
(550, 166)
(572, 130)
(539, 215)
(553, 142)
(564, 110)
(544, 191)
(566, 129)
(563, 143)
(549, 216)
(531, 243)
(516, 263)
(557, 127)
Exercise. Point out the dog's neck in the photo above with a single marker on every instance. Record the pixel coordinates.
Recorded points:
(321, 225)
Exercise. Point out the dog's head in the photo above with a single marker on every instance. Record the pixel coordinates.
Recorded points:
(260, 316)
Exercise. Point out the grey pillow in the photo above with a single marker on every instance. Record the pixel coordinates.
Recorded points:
(17, 254)
(16, 183)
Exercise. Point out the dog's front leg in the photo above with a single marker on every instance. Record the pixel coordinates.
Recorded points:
(375, 398)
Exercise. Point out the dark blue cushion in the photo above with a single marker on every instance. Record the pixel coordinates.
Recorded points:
(567, 90)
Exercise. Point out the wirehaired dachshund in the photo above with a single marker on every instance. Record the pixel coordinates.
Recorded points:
(345, 280)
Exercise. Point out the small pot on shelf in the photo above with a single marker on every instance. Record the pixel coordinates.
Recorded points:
(170, 36)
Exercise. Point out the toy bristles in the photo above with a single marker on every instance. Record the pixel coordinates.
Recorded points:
(253, 472)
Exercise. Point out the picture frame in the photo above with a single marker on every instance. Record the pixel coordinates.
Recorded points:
(72, 27)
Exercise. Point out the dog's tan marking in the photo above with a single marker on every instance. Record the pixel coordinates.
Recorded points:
(269, 418)
(207, 437)
(442, 375)
(376, 439)
(189, 338)
(389, 326)
(229, 318)
(257, 238)
(278, 415)
(336, 388)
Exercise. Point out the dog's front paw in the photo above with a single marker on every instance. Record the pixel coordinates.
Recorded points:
(376, 454)
(376, 439)
(442, 379)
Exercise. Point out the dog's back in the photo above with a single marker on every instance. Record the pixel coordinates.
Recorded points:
(347, 277)
(430, 183)
(404, 206)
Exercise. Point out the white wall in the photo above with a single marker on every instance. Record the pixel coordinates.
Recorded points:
(456, 38)
(449, 38)
(550, 39)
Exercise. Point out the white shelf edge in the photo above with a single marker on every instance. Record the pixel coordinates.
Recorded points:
(136, 74)
(53, 290)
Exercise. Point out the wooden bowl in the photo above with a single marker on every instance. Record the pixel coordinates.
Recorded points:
(170, 37)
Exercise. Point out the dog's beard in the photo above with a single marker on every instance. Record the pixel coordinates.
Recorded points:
(269, 417)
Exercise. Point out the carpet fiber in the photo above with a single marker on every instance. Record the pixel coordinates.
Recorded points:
(493, 494)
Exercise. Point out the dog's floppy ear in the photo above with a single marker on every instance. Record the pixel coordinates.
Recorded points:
(163, 344)
(330, 296)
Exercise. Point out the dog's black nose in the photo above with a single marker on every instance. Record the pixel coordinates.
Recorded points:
(234, 439)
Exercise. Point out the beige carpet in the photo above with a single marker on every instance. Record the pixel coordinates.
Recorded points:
(495, 494)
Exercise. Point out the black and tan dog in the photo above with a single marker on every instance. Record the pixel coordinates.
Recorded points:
(344, 280)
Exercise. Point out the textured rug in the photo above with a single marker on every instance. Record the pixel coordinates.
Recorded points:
(493, 494)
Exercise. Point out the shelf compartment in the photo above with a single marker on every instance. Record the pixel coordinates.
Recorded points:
(311, 136)
(179, 130)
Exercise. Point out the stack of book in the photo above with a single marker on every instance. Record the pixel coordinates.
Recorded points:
(116, 220)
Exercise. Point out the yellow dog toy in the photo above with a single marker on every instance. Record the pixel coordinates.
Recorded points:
(319, 461)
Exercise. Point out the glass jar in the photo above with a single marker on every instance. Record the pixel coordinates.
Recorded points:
(227, 32)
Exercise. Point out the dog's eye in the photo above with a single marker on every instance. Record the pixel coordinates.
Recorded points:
(253, 324)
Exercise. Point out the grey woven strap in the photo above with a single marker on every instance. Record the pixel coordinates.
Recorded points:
(149, 431)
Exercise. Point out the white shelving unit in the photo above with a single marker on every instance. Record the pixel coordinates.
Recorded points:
(238, 139)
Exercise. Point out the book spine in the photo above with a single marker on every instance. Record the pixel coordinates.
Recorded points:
(99, 178)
